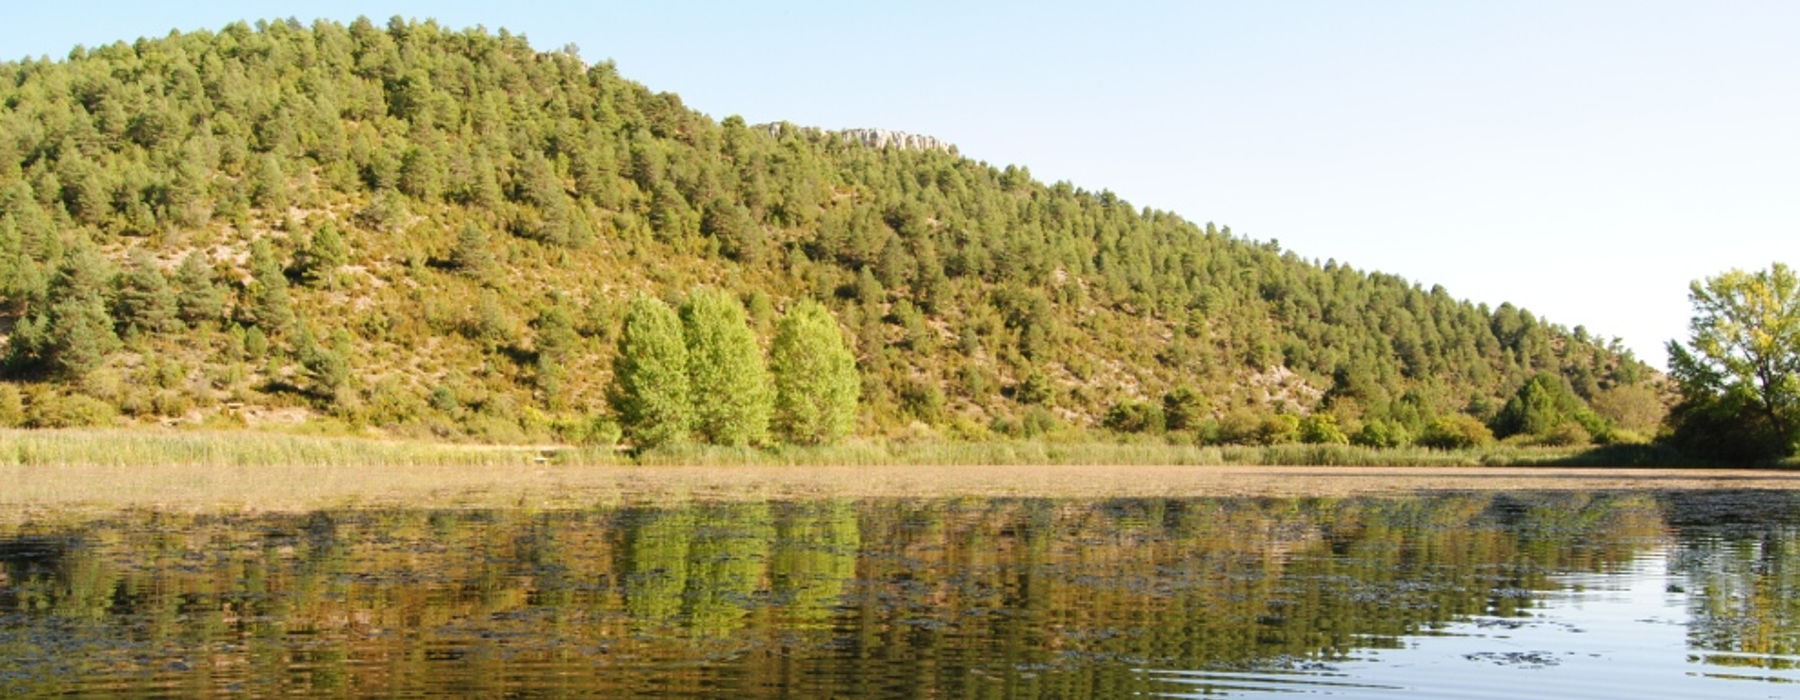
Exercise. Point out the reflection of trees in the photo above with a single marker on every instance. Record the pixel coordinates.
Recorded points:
(948, 598)
(656, 564)
(816, 546)
(1744, 581)
(726, 562)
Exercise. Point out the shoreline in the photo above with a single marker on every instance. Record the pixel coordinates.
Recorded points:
(90, 488)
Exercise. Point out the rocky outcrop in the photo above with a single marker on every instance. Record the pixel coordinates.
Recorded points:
(873, 138)
(882, 138)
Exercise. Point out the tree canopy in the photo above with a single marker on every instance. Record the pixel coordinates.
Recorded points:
(432, 193)
(1739, 372)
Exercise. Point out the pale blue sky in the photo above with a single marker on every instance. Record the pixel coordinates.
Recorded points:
(1585, 160)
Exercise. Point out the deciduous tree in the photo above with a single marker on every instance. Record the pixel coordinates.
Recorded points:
(816, 383)
(733, 397)
(1743, 349)
(650, 389)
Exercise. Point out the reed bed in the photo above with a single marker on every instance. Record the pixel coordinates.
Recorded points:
(248, 449)
(54, 471)
(241, 449)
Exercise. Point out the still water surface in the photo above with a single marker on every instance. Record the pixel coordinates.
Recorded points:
(1676, 595)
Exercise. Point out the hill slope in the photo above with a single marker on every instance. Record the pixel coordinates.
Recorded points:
(430, 231)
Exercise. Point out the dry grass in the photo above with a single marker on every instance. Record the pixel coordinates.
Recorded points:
(105, 470)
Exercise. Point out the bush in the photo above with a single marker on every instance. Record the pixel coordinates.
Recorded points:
(1134, 417)
(49, 410)
(1322, 429)
(1456, 432)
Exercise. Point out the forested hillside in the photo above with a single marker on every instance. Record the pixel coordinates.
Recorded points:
(436, 232)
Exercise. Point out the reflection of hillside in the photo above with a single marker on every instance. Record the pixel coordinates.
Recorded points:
(1046, 598)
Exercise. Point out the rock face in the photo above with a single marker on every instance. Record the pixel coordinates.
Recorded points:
(873, 138)
(882, 138)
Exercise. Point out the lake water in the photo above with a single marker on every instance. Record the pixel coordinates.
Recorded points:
(1677, 595)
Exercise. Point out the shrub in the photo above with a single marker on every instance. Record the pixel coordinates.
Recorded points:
(1134, 417)
(1455, 432)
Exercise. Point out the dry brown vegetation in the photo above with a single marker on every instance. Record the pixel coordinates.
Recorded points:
(33, 491)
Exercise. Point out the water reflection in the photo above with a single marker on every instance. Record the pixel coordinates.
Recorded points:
(952, 598)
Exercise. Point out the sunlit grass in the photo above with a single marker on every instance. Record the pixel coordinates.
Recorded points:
(54, 471)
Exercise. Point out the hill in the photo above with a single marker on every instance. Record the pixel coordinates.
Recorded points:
(424, 231)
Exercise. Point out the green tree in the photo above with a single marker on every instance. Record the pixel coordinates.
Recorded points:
(145, 298)
(816, 382)
(327, 366)
(1135, 417)
(1743, 350)
(649, 389)
(198, 299)
(78, 332)
(270, 306)
(733, 397)
(471, 255)
(325, 253)
(1542, 405)
(1322, 429)
(556, 340)
(1456, 432)
(1184, 408)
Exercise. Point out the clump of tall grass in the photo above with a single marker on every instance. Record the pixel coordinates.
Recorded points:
(122, 447)
(240, 449)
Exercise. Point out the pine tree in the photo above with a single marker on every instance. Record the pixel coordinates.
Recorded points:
(327, 366)
(77, 329)
(199, 299)
(270, 306)
(145, 298)
(816, 383)
(650, 389)
(471, 255)
(325, 253)
(556, 339)
(733, 397)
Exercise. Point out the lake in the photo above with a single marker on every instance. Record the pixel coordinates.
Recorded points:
(1589, 595)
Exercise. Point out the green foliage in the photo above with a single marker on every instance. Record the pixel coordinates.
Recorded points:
(650, 389)
(12, 406)
(1184, 408)
(816, 382)
(269, 305)
(1134, 417)
(326, 365)
(1035, 389)
(1742, 359)
(476, 177)
(324, 254)
(1547, 409)
(76, 335)
(145, 298)
(732, 392)
(198, 299)
(1456, 432)
(1277, 429)
(1322, 429)
(471, 255)
(1382, 433)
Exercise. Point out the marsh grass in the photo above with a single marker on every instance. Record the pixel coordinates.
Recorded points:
(240, 449)
(98, 470)
(258, 471)
(126, 448)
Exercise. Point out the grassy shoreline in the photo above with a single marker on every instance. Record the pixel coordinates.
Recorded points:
(56, 471)
(148, 448)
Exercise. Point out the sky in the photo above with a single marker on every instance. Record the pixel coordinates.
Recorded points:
(1583, 160)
